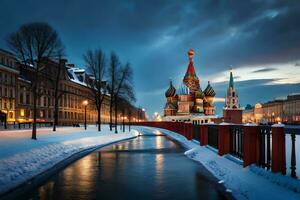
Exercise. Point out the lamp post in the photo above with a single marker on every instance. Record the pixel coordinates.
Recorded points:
(143, 114)
(124, 123)
(85, 103)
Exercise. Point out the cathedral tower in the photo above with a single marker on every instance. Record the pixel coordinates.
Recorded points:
(190, 79)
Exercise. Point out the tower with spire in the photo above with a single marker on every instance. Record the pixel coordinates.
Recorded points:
(190, 79)
(232, 99)
(232, 113)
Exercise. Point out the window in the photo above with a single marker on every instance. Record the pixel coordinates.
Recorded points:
(22, 112)
(27, 99)
(42, 113)
(21, 98)
(11, 115)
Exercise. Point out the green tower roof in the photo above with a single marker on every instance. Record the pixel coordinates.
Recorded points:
(231, 84)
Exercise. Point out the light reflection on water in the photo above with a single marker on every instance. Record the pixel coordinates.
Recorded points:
(148, 167)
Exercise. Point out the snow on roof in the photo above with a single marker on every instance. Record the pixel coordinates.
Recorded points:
(280, 98)
(74, 78)
(78, 70)
(294, 94)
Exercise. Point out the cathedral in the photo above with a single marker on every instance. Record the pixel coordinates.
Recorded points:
(189, 102)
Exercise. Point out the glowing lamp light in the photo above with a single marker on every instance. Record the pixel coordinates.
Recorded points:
(85, 102)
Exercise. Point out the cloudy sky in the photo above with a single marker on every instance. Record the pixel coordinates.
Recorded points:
(259, 39)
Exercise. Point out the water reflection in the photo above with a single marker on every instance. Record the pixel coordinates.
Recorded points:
(143, 168)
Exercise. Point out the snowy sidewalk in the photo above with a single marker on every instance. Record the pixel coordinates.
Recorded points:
(22, 158)
(245, 183)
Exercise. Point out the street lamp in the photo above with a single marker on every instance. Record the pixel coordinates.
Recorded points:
(124, 123)
(85, 103)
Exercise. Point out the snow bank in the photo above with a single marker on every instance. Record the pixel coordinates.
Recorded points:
(244, 183)
(22, 158)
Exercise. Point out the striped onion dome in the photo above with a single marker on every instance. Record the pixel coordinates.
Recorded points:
(171, 91)
(184, 90)
(209, 91)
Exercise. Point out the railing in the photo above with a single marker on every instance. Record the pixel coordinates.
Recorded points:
(196, 132)
(292, 132)
(237, 141)
(26, 125)
(213, 136)
(265, 133)
(270, 147)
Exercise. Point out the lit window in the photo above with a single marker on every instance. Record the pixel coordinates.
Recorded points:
(22, 112)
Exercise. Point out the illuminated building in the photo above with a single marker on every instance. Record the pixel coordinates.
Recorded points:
(286, 110)
(8, 77)
(189, 102)
(16, 99)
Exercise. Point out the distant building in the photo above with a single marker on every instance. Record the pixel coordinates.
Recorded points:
(16, 98)
(189, 102)
(285, 110)
(253, 115)
(8, 80)
(232, 113)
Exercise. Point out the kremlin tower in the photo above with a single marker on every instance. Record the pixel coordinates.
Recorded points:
(232, 112)
(190, 103)
(232, 99)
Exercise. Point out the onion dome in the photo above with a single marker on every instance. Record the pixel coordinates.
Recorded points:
(184, 90)
(171, 91)
(209, 91)
(199, 94)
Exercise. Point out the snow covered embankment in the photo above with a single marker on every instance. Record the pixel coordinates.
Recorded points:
(22, 158)
(244, 183)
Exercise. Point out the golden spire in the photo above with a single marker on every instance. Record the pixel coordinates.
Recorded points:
(191, 54)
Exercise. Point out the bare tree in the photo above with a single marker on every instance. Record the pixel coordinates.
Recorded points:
(95, 63)
(121, 86)
(58, 91)
(113, 69)
(33, 43)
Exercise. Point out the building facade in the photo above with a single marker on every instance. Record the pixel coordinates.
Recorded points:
(8, 90)
(189, 102)
(16, 98)
(277, 111)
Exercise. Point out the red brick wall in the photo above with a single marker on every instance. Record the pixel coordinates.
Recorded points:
(233, 116)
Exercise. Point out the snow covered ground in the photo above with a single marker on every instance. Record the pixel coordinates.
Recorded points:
(22, 158)
(245, 183)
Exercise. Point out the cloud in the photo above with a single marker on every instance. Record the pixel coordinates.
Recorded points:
(156, 35)
(219, 100)
(264, 70)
